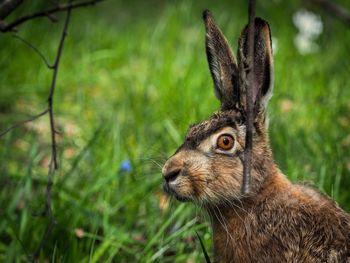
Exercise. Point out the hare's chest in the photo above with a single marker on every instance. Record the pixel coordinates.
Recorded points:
(233, 238)
(252, 237)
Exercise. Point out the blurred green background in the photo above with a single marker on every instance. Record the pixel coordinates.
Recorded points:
(133, 76)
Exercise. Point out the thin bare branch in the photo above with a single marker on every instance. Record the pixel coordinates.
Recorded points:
(55, 66)
(7, 6)
(334, 10)
(23, 122)
(52, 18)
(53, 162)
(53, 86)
(249, 99)
(37, 51)
(48, 211)
(47, 13)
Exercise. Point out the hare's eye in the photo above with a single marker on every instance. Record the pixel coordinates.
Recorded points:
(225, 142)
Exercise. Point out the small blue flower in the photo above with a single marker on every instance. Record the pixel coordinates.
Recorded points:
(125, 166)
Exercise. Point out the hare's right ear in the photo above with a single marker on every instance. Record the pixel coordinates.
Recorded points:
(222, 64)
(263, 64)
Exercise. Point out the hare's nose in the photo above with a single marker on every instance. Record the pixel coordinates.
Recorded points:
(171, 175)
(173, 168)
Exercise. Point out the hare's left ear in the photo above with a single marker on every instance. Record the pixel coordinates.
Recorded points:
(222, 64)
(263, 65)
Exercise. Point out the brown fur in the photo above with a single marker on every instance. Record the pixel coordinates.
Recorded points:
(277, 221)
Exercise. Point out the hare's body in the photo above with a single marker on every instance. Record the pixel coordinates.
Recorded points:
(277, 221)
(284, 223)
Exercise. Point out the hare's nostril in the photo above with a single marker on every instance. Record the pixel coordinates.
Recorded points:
(172, 175)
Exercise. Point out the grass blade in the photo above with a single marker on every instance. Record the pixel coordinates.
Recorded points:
(207, 259)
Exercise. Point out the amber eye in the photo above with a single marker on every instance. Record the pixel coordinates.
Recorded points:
(225, 142)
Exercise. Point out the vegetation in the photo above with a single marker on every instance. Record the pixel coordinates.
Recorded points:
(133, 76)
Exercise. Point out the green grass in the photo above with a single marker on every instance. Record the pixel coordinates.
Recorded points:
(133, 77)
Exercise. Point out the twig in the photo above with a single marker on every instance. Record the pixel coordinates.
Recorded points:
(60, 8)
(23, 122)
(48, 212)
(7, 6)
(334, 10)
(53, 86)
(37, 51)
(249, 100)
(53, 162)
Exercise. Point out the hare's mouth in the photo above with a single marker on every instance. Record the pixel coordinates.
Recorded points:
(171, 190)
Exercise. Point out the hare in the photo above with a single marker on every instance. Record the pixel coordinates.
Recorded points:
(277, 221)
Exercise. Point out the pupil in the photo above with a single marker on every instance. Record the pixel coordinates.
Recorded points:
(226, 141)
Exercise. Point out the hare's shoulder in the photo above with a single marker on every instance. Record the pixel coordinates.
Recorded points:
(308, 201)
(330, 223)
(305, 223)
(302, 196)
(310, 196)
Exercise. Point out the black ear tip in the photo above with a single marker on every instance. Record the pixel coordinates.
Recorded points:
(206, 14)
(259, 22)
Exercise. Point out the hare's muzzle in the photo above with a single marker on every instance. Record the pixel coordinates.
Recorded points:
(185, 175)
(171, 171)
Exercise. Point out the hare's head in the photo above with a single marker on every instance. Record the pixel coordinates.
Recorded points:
(208, 167)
